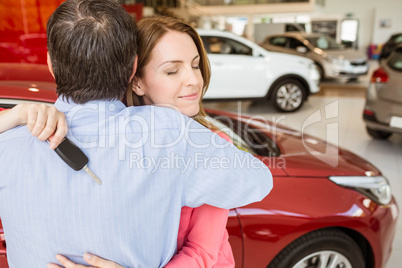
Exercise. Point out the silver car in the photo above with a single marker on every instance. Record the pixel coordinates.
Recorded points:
(242, 70)
(383, 111)
(333, 60)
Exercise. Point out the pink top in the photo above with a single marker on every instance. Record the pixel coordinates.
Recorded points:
(202, 240)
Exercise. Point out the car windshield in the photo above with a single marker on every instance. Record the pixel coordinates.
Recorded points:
(245, 137)
(395, 62)
(396, 39)
(325, 43)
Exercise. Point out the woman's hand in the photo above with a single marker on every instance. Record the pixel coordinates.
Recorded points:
(44, 122)
(91, 259)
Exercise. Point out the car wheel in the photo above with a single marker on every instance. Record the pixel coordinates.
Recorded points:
(288, 95)
(378, 134)
(324, 249)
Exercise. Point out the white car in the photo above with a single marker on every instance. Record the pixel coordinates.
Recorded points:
(243, 70)
(333, 60)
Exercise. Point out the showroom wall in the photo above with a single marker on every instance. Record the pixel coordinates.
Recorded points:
(378, 19)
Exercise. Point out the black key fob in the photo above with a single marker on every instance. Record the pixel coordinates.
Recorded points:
(71, 154)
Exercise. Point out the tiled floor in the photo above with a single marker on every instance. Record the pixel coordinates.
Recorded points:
(347, 98)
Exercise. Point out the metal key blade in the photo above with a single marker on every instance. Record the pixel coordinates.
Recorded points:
(93, 176)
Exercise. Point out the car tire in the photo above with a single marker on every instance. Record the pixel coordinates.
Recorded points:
(378, 134)
(288, 95)
(323, 248)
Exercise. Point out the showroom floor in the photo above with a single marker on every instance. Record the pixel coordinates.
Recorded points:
(346, 99)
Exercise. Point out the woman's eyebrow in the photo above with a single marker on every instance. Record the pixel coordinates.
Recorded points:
(170, 61)
(177, 61)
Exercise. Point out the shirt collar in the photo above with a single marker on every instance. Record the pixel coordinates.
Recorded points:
(114, 106)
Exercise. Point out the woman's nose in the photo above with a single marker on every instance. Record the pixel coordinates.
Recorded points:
(193, 77)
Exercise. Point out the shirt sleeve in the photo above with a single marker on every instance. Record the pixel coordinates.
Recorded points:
(219, 174)
(206, 240)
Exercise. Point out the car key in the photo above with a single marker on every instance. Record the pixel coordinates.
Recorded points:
(75, 158)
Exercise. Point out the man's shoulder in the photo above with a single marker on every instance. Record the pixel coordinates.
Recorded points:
(15, 133)
(157, 117)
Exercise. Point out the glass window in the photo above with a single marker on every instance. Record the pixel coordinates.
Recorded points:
(221, 45)
(325, 42)
(245, 136)
(294, 43)
(395, 62)
(6, 105)
(398, 39)
(278, 41)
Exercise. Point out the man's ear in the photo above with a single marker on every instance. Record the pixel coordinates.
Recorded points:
(49, 65)
(134, 68)
(137, 86)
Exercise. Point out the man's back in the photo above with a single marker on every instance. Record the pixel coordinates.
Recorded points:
(148, 170)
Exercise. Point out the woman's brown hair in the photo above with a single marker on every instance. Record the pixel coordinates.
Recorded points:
(150, 31)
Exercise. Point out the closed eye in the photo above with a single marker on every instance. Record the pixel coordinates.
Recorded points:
(172, 73)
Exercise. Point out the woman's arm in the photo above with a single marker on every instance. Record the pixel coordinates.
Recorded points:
(206, 239)
(44, 122)
(206, 244)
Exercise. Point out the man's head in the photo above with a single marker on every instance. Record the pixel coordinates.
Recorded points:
(92, 47)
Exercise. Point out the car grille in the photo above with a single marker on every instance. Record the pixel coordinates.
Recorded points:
(358, 63)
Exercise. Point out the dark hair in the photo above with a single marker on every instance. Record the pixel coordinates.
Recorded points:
(92, 46)
(151, 30)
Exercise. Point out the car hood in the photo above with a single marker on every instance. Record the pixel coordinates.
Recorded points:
(30, 91)
(305, 155)
(349, 54)
(279, 56)
(25, 72)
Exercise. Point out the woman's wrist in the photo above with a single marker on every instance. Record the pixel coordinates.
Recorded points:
(18, 114)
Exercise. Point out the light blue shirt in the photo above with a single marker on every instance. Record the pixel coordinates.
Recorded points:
(151, 160)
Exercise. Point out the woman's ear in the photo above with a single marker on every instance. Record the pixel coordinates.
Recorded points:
(137, 87)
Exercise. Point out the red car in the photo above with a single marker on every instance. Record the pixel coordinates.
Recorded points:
(324, 210)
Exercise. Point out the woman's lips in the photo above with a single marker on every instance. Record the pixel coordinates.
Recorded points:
(193, 96)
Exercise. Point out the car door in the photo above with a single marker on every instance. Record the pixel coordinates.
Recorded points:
(3, 255)
(236, 72)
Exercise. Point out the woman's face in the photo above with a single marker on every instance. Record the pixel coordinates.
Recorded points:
(172, 77)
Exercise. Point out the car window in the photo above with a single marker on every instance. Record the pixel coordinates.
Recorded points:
(246, 137)
(395, 62)
(325, 42)
(6, 105)
(293, 28)
(236, 139)
(398, 39)
(278, 41)
(222, 45)
(294, 43)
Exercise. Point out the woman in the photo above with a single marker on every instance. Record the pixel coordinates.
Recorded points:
(173, 70)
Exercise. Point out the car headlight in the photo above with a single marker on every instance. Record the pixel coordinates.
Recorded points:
(376, 188)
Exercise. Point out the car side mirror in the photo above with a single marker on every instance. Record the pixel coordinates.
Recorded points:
(301, 49)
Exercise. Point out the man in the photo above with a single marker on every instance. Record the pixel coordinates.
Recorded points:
(143, 156)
